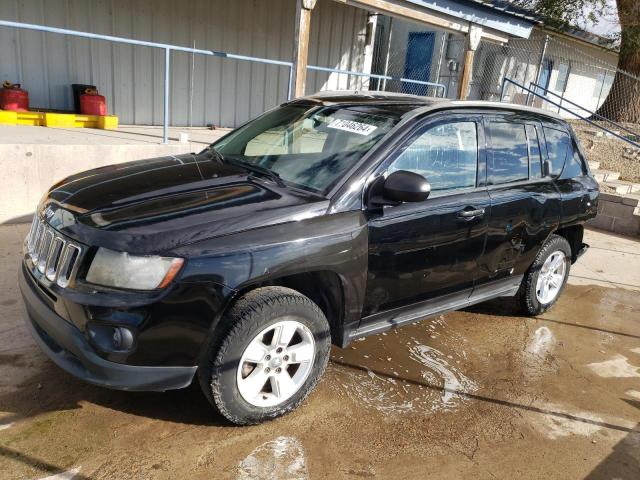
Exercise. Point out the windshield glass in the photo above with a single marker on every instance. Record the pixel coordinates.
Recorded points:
(309, 146)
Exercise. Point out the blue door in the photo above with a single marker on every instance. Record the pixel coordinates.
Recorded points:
(417, 65)
(545, 74)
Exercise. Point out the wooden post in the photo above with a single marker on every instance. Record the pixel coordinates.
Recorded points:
(472, 42)
(301, 45)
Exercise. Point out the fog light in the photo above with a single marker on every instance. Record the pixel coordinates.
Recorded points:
(109, 338)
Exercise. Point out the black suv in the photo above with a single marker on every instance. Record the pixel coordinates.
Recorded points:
(329, 218)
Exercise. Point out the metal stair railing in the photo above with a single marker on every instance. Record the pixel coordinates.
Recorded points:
(591, 114)
(507, 80)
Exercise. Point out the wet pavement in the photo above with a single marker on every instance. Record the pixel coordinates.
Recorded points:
(481, 392)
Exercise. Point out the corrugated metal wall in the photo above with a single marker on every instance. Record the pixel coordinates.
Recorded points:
(203, 89)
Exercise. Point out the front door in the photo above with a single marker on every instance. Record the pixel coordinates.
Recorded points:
(417, 65)
(423, 250)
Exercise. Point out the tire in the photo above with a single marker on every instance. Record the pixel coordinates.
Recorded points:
(531, 298)
(264, 312)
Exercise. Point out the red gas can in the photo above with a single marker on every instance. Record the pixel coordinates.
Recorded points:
(92, 104)
(12, 97)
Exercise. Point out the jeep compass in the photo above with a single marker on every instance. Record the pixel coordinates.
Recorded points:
(326, 219)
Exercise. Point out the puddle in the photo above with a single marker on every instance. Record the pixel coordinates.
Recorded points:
(541, 343)
(69, 475)
(618, 366)
(279, 459)
(454, 383)
(633, 394)
(4, 426)
(537, 358)
(401, 387)
(555, 426)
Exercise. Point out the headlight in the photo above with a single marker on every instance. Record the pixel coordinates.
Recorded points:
(119, 269)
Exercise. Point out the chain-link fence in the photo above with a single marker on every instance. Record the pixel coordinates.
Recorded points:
(574, 80)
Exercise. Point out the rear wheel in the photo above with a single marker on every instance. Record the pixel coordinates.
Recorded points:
(546, 278)
(269, 357)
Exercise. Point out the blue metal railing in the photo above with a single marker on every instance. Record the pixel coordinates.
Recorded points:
(506, 80)
(215, 53)
(167, 58)
(436, 86)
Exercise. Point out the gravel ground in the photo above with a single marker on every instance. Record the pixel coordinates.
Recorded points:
(612, 153)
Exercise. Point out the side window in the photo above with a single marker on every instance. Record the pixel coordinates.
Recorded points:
(509, 153)
(535, 159)
(445, 154)
(574, 166)
(558, 145)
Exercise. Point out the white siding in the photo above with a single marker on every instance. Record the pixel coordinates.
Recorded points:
(225, 92)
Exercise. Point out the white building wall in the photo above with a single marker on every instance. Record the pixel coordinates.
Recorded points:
(204, 90)
(519, 60)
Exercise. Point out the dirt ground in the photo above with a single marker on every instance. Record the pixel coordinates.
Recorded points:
(481, 392)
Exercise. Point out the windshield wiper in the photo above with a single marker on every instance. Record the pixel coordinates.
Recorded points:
(254, 169)
(216, 154)
(257, 169)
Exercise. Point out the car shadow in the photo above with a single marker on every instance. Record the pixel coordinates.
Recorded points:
(51, 389)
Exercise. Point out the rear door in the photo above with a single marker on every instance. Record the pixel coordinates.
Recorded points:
(525, 206)
(419, 251)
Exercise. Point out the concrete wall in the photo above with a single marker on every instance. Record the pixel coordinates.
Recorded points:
(33, 168)
(203, 89)
(619, 214)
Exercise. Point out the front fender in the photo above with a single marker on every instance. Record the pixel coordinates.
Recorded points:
(336, 243)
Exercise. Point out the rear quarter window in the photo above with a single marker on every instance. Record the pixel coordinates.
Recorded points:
(559, 145)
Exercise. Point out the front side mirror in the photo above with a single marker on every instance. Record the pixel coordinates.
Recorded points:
(404, 186)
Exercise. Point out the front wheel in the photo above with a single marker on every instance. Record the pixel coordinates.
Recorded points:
(269, 358)
(546, 278)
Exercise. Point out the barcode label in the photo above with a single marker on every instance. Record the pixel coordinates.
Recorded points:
(351, 126)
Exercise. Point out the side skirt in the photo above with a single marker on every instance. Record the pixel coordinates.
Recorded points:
(380, 322)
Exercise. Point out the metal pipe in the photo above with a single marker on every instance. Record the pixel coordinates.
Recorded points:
(380, 77)
(290, 85)
(635, 144)
(440, 57)
(96, 36)
(604, 80)
(540, 63)
(165, 123)
(593, 114)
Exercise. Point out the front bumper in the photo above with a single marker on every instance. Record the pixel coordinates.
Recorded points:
(69, 349)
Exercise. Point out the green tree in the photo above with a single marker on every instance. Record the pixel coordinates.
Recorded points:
(623, 102)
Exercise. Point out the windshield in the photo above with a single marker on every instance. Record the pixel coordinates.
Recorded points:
(309, 146)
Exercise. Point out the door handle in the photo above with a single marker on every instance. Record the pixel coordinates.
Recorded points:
(469, 214)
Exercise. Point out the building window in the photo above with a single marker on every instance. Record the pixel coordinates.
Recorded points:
(563, 77)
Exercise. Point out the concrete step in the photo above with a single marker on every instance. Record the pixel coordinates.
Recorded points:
(621, 187)
(605, 175)
(594, 165)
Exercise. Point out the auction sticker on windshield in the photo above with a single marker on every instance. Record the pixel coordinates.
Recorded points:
(352, 126)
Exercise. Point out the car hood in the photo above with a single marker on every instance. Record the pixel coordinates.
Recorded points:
(152, 206)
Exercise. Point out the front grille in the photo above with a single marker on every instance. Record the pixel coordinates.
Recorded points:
(54, 256)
